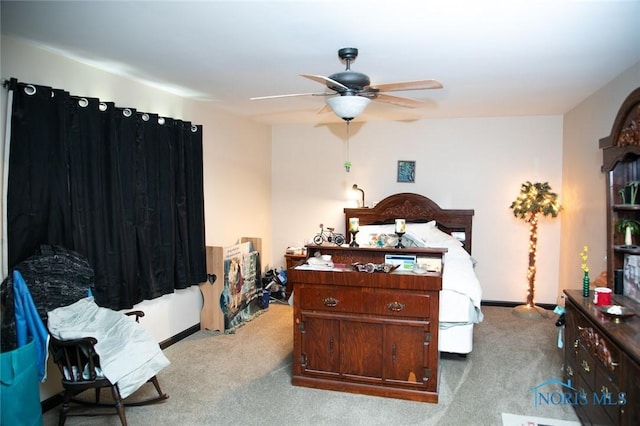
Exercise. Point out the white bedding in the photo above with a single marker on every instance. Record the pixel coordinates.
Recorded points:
(129, 355)
(461, 292)
(456, 308)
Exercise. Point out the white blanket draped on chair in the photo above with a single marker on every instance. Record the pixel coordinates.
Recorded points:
(129, 354)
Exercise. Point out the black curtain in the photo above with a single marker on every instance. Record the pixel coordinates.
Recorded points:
(121, 187)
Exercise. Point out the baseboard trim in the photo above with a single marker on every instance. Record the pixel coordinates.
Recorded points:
(505, 304)
(182, 335)
(56, 400)
(51, 402)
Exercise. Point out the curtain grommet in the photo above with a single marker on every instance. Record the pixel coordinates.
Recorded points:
(30, 89)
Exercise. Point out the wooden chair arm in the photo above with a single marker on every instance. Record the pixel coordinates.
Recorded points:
(69, 343)
(138, 314)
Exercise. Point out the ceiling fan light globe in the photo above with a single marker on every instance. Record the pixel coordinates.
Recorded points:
(348, 107)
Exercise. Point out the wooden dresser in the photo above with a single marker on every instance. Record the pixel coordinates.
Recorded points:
(602, 360)
(367, 333)
(291, 260)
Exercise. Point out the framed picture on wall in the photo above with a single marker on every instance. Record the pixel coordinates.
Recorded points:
(631, 279)
(406, 171)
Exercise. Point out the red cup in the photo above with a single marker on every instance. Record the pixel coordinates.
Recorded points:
(602, 296)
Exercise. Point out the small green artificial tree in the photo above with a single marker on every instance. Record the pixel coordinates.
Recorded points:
(534, 199)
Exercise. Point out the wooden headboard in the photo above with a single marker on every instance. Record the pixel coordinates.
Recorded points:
(414, 208)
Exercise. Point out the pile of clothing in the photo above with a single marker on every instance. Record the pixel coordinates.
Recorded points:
(273, 287)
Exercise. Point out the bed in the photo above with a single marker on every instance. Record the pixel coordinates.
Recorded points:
(428, 225)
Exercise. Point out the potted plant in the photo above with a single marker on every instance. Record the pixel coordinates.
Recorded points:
(629, 192)
(628, 227)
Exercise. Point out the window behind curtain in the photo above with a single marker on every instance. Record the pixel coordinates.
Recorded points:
(121, 187)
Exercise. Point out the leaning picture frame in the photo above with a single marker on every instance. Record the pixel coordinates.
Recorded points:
(406, 171)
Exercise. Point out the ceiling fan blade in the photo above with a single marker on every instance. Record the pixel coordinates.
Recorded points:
(325, 108)
(289, 96)
(406, 85)
(324, 80)
(397, 100)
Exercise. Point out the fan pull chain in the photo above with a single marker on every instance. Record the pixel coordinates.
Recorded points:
(347, 164)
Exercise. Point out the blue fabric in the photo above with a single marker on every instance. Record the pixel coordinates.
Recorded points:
(19, 390)
(29, 324)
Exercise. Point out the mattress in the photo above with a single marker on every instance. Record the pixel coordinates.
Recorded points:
(456, 308)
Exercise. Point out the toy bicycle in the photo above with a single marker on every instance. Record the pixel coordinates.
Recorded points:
(328, 236)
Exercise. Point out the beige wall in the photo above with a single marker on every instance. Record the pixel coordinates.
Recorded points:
(237, 175)
(584, 186)
(464, 163)
(476, 163)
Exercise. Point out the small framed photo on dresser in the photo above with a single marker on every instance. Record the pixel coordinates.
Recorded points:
(631, 277)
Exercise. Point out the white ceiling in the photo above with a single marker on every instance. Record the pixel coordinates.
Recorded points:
(494, 58)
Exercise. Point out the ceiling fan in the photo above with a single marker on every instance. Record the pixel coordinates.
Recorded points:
(349, 92)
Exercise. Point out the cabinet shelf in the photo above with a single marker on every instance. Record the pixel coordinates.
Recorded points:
(627, 249)
(628, 207)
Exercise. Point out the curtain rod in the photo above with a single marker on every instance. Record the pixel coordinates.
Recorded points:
(194, 127)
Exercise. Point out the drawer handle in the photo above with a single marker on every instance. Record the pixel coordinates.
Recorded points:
(330, 302)
(585, 366)
(569, 371)
(395, 306)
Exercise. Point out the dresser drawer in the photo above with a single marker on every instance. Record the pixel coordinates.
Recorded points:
(570, 368)
(366, 301)
(604, 352)
(608, 393)
(586, 367)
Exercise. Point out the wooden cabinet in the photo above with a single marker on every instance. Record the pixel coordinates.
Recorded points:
(370, 333)
(621, 163)
(602, 360)
(291, 260)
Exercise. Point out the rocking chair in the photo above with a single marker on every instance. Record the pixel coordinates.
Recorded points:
(59, 277)
(80, 368)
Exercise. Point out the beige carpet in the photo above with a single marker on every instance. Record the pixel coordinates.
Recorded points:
(244, 379)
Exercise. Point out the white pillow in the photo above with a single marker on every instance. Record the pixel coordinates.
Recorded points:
(433, 236)
(368, 234)
(412, 240)
(425, 231)
(419, 229)
(383, 236)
